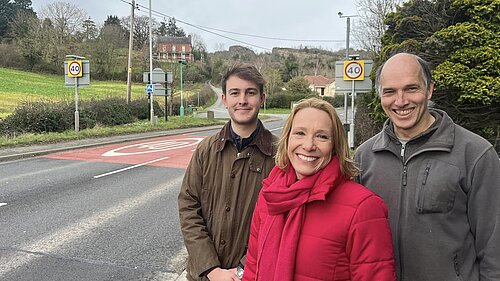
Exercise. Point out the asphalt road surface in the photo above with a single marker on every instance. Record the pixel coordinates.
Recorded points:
(101, 213)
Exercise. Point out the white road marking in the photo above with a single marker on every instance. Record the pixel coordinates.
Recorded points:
(276, 129)
(77, 230)
(2, 204)
(152, 147)
(128, 168)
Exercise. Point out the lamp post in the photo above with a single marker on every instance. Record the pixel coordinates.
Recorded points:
(181, 109)
(348, 31)
(347, 57)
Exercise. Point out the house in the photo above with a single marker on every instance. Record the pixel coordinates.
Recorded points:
(321, 85)
(174, 48)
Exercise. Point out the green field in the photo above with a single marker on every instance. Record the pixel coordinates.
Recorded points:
(17, 86)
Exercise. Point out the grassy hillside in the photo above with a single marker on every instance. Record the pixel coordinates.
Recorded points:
(16, 86)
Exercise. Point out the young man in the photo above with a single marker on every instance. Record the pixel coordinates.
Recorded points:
(440, 181)
(223, 180)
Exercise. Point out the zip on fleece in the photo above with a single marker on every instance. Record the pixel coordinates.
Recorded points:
(403, 191)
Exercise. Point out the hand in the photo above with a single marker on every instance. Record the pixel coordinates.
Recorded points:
(220, 274)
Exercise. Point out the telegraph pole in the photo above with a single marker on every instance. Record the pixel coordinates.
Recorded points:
(130, 46)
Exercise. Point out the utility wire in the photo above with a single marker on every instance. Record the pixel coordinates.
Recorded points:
(208, 29)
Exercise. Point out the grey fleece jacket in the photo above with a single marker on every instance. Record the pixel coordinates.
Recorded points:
(443, 193)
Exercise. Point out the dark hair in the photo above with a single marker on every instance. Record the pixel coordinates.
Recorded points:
(246, 72)
(425, 69)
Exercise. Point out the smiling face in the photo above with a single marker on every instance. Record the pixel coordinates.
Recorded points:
(242, 100)
(310, 143)
(404, 96)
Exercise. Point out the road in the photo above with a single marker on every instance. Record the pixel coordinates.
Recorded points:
(102, 213)
(218, 107)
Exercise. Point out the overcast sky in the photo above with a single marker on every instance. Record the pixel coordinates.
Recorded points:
(283, 19)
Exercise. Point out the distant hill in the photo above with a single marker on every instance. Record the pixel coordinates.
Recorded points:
(311, 61)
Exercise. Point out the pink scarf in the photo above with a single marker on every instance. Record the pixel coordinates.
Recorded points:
(286, 199)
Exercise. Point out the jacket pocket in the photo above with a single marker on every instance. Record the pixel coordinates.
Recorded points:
(437, 184)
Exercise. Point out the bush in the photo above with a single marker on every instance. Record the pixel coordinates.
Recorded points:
(48, 116)
(284, 100)
(109, 112)
(337, 101)
(40, 116)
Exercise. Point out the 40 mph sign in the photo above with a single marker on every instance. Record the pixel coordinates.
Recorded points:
(75, 68)
(354, 70)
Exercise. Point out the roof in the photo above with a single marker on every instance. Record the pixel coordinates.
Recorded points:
(318, 80)
(174, 40)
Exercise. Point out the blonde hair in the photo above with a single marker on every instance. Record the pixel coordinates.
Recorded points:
(339, 140)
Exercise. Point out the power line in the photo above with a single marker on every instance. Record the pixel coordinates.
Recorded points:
(208, 30)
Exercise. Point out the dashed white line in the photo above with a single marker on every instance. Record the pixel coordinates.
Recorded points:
(128, 168)
(2, 204)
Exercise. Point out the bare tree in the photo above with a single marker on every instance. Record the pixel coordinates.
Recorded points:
(369, 26)
(199, 47)
(141, 30)
(66, 18)
(262, 62)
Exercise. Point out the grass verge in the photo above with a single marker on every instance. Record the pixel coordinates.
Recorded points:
(174, 122)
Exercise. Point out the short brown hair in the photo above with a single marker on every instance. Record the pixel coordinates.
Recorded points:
(339, 141)
(246, 72)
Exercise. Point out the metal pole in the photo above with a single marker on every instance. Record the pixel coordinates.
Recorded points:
(347, 37)
(166, 104)
(351, 131)
(77, 114)
(181, 110)
(347, 58)
(130, 46)
(151, 62)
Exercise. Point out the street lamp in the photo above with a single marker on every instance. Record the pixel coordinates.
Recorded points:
(348, 31)
(181, 109)
(341, 15)
(346, 124)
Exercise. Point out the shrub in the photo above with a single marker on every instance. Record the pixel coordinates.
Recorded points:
(48, 116)
(337, 100)
(40, 116)
(109, 112)
(284, 100)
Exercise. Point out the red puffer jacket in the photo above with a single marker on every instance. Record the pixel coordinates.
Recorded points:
(345, 237)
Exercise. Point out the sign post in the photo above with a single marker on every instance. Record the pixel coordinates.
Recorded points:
(158, 84)
(353, 71)
(76, 68)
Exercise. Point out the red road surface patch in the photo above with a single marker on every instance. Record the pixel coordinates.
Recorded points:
(176, 149)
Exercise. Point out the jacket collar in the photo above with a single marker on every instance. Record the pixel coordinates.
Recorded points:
(263, 140)
(441, 135)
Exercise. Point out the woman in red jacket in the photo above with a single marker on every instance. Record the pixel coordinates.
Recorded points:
(312, 222)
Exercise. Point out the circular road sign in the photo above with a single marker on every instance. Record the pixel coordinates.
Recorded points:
(353, 70)
(75, 68)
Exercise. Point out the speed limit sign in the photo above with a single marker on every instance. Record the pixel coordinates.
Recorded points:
(75, 68)
(354, 70)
